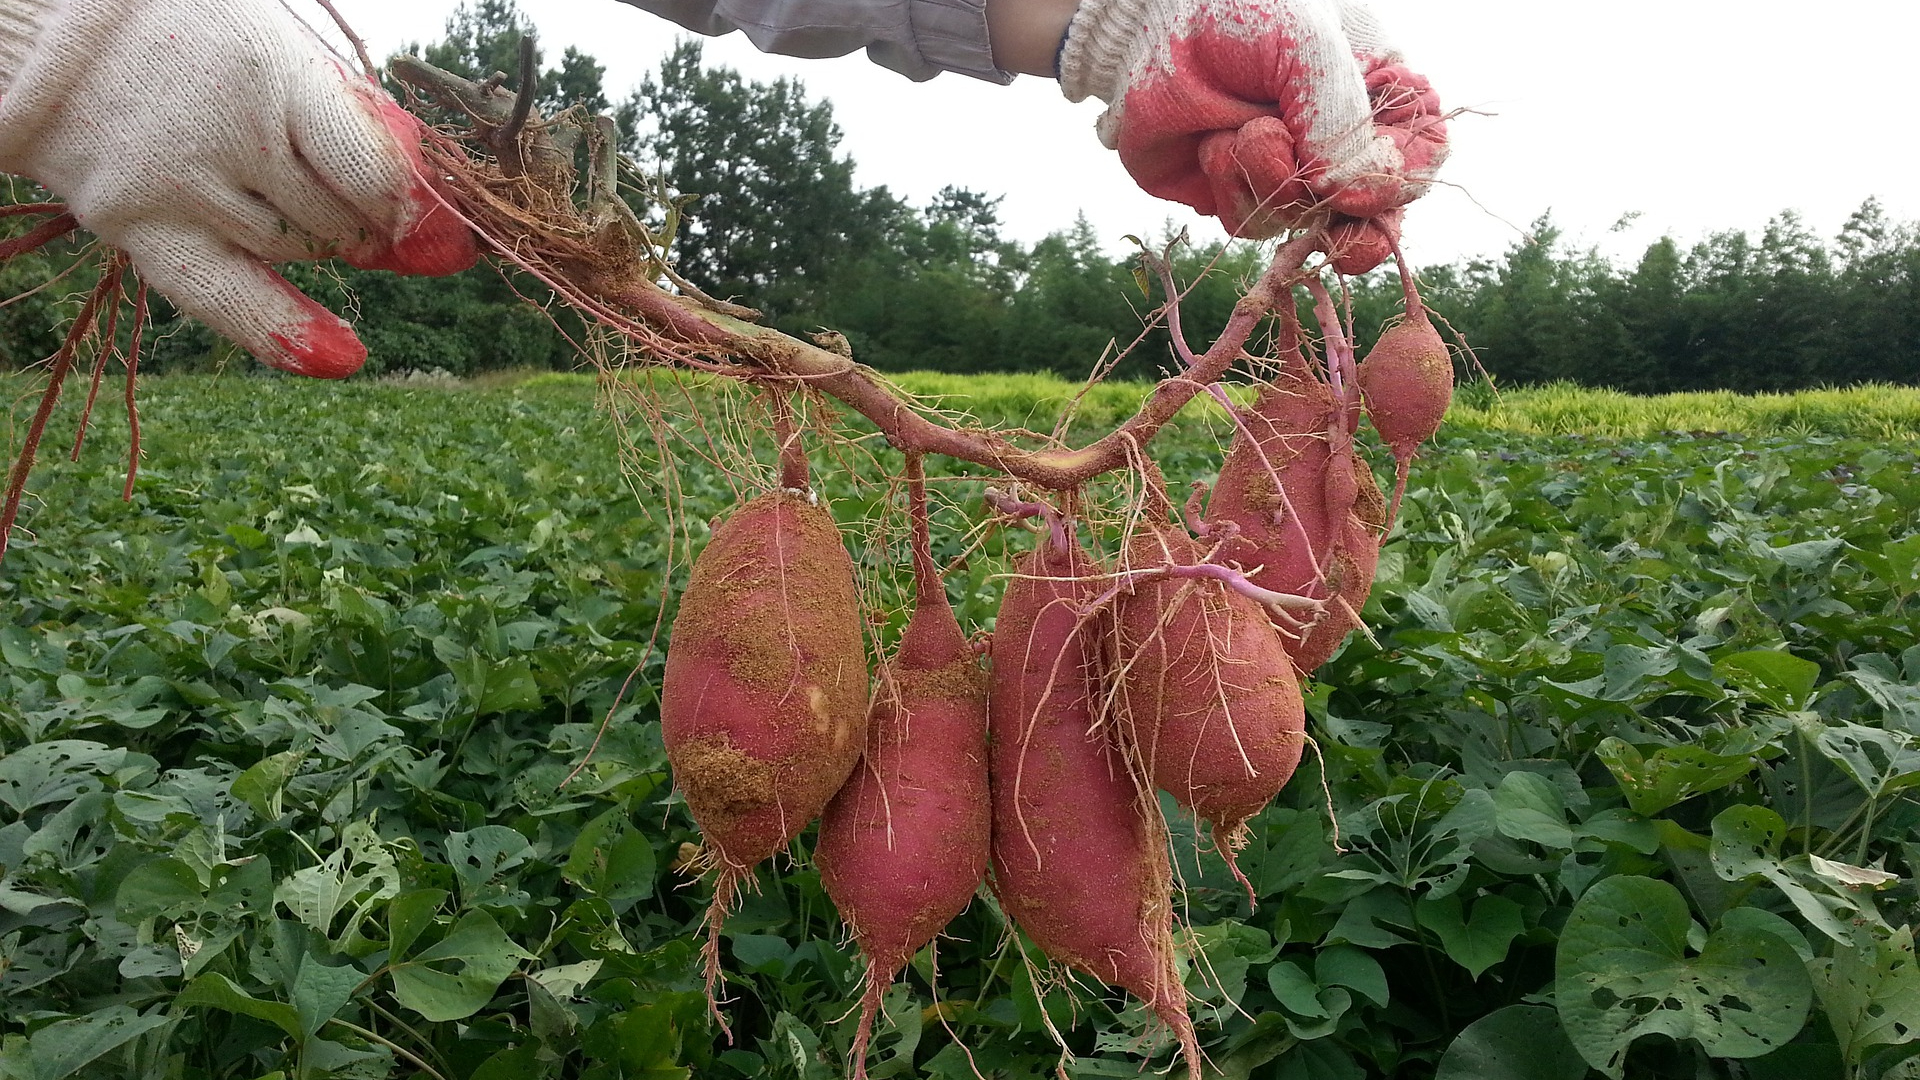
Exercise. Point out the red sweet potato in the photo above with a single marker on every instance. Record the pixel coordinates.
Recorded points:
(764, 703)
(1285, 530)
(1350, 565)
(1316, 533)
(1406, 382)
(1079, 849)
(904, 843)
(1208, 691)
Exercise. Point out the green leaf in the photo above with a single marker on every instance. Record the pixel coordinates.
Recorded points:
(510, 686)
(483, 854)
(1882, 762)
(54, 772)
(1475, 942)
(613, 860)
(1519, 1042)
(1623, 970)
(1870, 990)
(1902, 566)
(408, 916)
(764, 953)
(458, 977)
(1366, 919)
(517, 1063)
(1314, 1011)
(1262, 1041)
(66, 1047)
(215, 991)
(166, 887)
(1779, 679)
(1297, 990)
(264, 782)
(320, 992)
(1344, 965)
(1528, 806)
(1672, 775)
(1746, 845)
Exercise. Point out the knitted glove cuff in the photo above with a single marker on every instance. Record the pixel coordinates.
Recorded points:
(21, 22)
(1098, 55)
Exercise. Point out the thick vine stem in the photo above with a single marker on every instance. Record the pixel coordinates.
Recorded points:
(538, 229)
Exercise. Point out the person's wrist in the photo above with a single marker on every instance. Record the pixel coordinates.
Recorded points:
(1026, 34)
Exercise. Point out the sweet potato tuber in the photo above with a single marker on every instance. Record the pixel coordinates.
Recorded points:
(1209, 695)
(764, 703)
(1306, 506)
(1079, 848)
(904, 843)
(1407, 384)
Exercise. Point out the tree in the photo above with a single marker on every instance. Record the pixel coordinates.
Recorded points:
(777, 207)
(484, 37)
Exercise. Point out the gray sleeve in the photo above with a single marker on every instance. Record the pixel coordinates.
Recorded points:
(917, 38)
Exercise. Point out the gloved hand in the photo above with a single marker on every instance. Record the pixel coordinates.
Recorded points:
(209, 138)
(1258, 111)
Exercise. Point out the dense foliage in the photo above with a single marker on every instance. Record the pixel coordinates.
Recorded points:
(284, 749)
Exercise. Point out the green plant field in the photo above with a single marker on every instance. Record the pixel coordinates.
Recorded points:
(1624, 786)
(1887, 412)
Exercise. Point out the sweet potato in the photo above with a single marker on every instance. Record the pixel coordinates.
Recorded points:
(1208, 692)
(904, 843)
(764, 703)
(1315, 533)
(1406, 382)
(1079, 848)
(1351, 564)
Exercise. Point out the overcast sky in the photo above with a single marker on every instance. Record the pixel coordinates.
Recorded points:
(1696, 115)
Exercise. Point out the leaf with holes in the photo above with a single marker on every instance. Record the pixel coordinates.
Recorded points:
(1670, 775)
(1623, 970)
(1746, 845)
(55, 772)
(1882, 762)
(1871, 992)
(69, 1046)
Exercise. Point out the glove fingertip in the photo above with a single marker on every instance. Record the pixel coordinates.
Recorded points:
(325, 348)
(431, 240)
(1357, 246)
(436, 243)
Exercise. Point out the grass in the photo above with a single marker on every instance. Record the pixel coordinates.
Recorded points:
(1874, 411)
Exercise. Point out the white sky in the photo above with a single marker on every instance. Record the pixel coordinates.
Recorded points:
(1698, 115)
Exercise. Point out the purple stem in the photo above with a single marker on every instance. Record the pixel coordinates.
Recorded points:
(1016, 508)
(1225, 575)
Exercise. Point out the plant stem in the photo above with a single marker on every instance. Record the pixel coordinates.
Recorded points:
(399, 1050)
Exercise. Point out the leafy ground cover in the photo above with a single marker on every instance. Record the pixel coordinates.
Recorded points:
(1624, 784)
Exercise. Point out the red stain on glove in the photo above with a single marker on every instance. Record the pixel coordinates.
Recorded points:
(321, 346)
(432, 240)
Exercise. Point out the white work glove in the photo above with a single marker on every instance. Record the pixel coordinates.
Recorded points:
(1260, 111)
(209, 138)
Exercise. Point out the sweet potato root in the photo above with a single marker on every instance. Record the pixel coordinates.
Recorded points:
(1079, 849)
(764, 703)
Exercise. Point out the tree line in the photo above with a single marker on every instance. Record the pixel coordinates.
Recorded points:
(774, 217)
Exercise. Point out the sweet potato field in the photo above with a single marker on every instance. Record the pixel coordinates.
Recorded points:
(336, 753)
